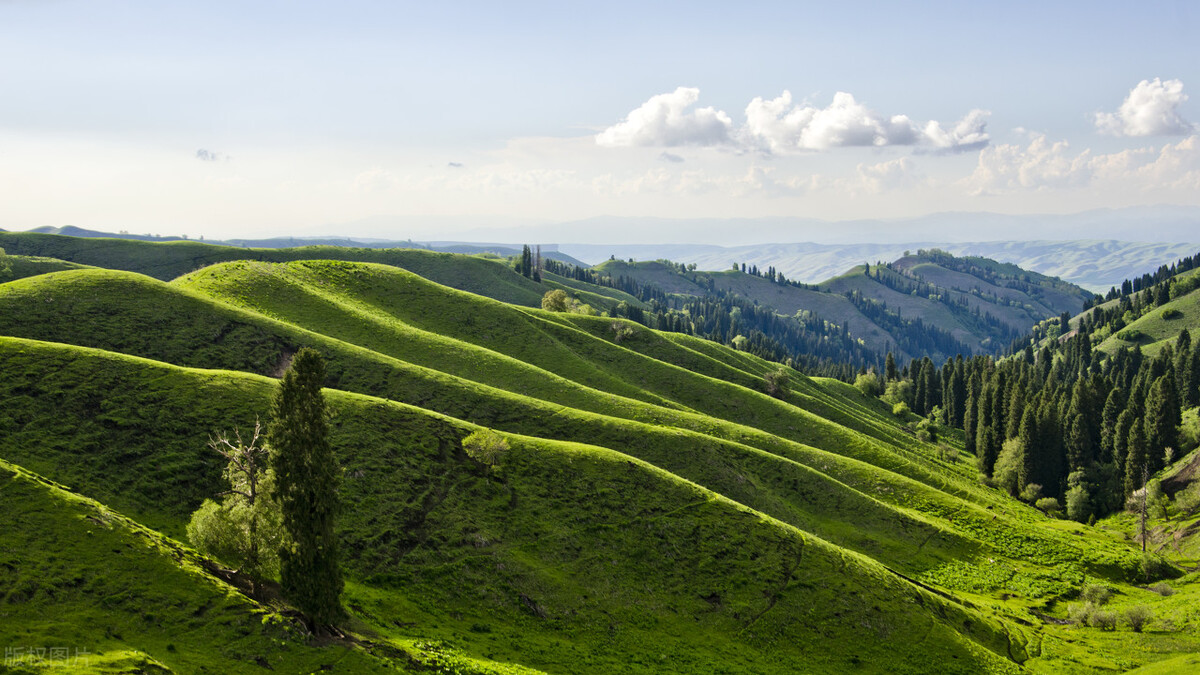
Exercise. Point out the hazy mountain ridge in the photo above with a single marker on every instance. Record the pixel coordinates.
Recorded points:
(1094, 264)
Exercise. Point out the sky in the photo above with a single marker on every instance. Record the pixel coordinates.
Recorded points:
(437, 120)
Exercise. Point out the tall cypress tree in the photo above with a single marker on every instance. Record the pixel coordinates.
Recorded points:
(306, 488)
(890, 368)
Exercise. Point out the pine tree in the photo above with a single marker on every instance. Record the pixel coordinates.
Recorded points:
(957, 405)
(1108, 424)
(1125, 422)
(1190, 394)
(1028, 436)
(890, 368)
(1162, 421)
(1136, 461)
(919, 381)
(970, 413)
(306, 488)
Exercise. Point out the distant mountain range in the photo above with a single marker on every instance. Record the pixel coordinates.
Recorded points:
(1094, 264)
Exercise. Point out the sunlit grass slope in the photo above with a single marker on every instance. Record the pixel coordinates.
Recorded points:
(121, 598)
(779, 480)
(865, 485)
(22, 266)
(568, 558)
(167, 260)
(1158, 327)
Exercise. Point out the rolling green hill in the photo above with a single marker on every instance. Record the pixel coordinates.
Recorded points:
(658, 511)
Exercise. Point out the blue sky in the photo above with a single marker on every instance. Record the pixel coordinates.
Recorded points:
(414, 119)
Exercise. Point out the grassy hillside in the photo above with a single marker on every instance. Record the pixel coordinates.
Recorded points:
(658, 511)
(549, 556)
(167, 260)
(1158, 326)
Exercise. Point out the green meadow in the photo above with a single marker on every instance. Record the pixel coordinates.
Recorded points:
(657, 512)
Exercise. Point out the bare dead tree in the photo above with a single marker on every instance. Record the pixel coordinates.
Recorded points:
(246, 469)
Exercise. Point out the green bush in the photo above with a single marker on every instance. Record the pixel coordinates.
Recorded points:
(486, 447)
(1138, 617)
(1095, 594)
(555, 300)
(1104, 619)
(776, 383)
(900, 410)
(868, 384)
(1163, 588)
(1172, 314)
(1049, 506)
(1187, 500)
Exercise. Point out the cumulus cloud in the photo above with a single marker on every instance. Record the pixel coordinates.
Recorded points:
(1044, 165)
(779, 125)
(668, 157)
(1150, 109)
(665, 120)
(454, 165)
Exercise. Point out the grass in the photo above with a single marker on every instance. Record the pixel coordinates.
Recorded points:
(657, 512)
(1159, 326)
(545, 562)
(809, 472)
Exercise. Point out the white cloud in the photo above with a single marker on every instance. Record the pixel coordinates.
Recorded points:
(664, 120)
(1043, 165)
(779, 126)
(1150, 109)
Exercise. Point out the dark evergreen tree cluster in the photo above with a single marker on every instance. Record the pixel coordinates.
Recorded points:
(1078, 426)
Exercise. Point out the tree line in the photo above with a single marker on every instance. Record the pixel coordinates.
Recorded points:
(1063, 422)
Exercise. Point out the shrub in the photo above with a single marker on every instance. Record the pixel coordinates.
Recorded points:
(1138, 617)
(899, 391)
(868, 384)
(776, 383)
(1095, 594)
(486, 447)
(927, 430)
(555, 300)
(1187, 500)
(1104, 619)
(1049, 506)
(900, 410)
(1172, 314)
(1080, 613)
(1031, 493)
(1163, 588)
(1153, 567)
(621, 331)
